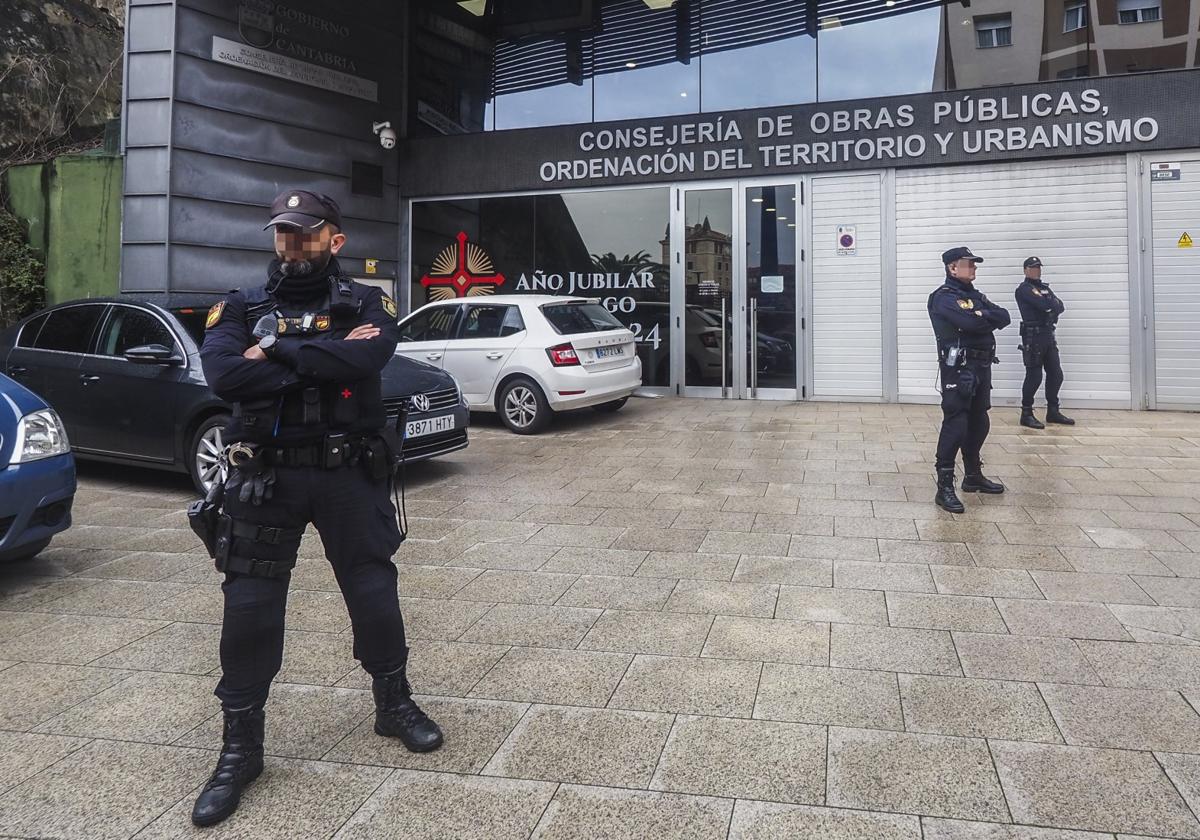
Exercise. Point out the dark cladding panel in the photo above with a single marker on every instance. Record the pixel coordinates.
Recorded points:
(143, 268)
(216, 270)
(145, 219)
(199, 175)
(149, 76)
(146, 172)
(148, 123)
(151, 28)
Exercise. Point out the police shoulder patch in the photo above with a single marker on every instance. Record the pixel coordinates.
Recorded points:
(966, 303)
(389, 306)
(214, 315)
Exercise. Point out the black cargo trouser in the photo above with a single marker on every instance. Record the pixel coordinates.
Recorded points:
(966, 398)
(357, 522)
(1041, 353)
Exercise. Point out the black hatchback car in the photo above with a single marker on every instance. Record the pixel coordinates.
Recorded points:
(125, 378)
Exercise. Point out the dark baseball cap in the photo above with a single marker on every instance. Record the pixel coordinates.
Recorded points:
(304, 209)
(1033, 262)
(962, 253)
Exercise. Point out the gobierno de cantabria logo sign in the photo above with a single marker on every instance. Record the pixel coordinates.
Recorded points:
(462, 270)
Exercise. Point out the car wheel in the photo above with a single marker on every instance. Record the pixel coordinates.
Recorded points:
(523, 407)
(610, 407)
(29, 552)
(204, 461)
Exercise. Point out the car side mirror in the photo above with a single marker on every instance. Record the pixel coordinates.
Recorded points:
(151, 354)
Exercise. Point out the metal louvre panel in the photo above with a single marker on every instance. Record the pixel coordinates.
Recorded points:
(1175, 208)
(847, 291)
(1072, 214)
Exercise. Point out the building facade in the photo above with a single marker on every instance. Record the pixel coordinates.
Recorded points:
(760, 189)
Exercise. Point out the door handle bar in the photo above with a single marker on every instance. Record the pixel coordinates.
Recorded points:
(724, 390)
(754, 348)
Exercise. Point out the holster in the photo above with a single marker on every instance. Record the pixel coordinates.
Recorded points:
(204, 517)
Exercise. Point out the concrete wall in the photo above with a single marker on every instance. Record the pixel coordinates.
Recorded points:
(72, 206)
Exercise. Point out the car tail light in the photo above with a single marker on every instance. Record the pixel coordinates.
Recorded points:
(708, 339)
(563, 355)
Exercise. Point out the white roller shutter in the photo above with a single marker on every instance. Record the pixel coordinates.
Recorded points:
(1072, 214)
(1175, 209)
(847, 290)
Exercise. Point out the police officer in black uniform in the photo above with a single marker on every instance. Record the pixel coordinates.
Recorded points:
(1040, 309)
(300, 360)
(964, 321)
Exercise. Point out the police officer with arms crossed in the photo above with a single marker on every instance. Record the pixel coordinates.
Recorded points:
(300, 359)
(1040, 309)
(963, 322)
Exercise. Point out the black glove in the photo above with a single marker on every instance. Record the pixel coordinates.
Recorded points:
(252, 483)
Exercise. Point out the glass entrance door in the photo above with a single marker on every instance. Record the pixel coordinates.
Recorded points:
(736, 290)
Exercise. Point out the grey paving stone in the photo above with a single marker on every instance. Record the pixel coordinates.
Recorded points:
(795, 571)
(939, 553)
(1171, 592)
(1184, 773)
(976, 708)
(180, 648)
(1140, 665)
(24, 755)
(516, 587)
(1028, 658)
(843, 606)
(805, 522)
(678, 564)
(674, 634)
(897, 577)
(833, 696)
(77, 639)
(721, 598)
(1124, 718)
(738, 542)
(936, 829)
(661, 539)
(147, 707)
(202, 604)
(435, 806)
(536, 626)
(1060, 618)
(769, 820)
(920, 774)
(573, 678)
(1088, 587)
(754, 759)
(892, 649)
(417, 581)
(964, 531)
(1048, 558)
(833, 548)
(148, 565)
(769, 640)
(1090, 789)
(593, 561)
(450, 668)
(427, 618)
(618, 593)
(104, 790)
(15, 624)
(291, 799)
(523, 557)
(581, 813)
(688, 686)
(579, 536)
(1000, 583)
(474, 729)
(584, 746)
(944, 612)
(1116, 561)
(319, 658)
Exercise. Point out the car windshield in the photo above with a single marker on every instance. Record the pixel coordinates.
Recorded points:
(192, 321)
(575, 318)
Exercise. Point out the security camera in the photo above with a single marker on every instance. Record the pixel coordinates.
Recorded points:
(387, 135)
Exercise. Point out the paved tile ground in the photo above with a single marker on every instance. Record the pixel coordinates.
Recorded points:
(691, 619)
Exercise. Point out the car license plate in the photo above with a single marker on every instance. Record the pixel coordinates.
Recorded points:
(609, 352)
(429, 426)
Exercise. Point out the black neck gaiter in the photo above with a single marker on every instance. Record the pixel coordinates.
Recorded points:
(293, 289)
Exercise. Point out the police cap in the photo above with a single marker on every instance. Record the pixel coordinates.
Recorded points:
(304, 209)
(1033, 262)
(961, 253)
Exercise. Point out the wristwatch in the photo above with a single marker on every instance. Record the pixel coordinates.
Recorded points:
(267, 343)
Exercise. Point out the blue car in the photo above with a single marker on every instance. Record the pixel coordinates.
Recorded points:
(37, 479)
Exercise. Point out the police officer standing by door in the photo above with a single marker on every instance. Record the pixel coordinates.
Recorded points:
(1040, 309)
(300, 359)
(964, 321)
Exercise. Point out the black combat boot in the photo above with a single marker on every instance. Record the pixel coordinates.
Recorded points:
(946, 498)
(1029, 421)
(398, 716)
(1053, 415)
(974, 481)
(240, 763)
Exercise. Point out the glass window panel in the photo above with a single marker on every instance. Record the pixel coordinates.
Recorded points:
(646, 60)
(755, 56)
(29, 332)
(771, 283)
(886, 57)
(708, 282)
(69, 330)
(129, 328)
(544, 81)
(485, 322)
(431, 325)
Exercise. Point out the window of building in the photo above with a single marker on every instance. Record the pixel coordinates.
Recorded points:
(1139, 11)
(1074, 15)
(879, 57)
(1080, 72)
(993, 31)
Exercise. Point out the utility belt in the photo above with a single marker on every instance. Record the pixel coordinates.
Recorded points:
(1036, 329)
(955, 356)
(332, 451)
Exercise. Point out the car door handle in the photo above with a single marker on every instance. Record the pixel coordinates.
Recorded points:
(433, 357)
(494, 356)
(88, 379)
(17, 371)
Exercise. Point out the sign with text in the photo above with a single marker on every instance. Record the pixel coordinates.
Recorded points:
(260, 60)
(1060, 119)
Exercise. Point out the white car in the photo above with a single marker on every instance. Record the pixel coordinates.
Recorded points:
(527, 356)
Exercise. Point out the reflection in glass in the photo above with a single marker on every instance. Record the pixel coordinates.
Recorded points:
(560, 94)
(771, 286)
(756, 55)
(708, 283)
(646, 59)
(887, 57)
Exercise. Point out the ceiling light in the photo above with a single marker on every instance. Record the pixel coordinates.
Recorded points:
(769, 209)
(791, 224)
(659, 4)
(475, 7)
(683, 93)
(783, 218)
(890, 3)
(757, 200)
(631, 64)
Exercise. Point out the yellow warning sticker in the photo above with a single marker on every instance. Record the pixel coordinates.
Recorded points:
(371, 266)
(1185, 241)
